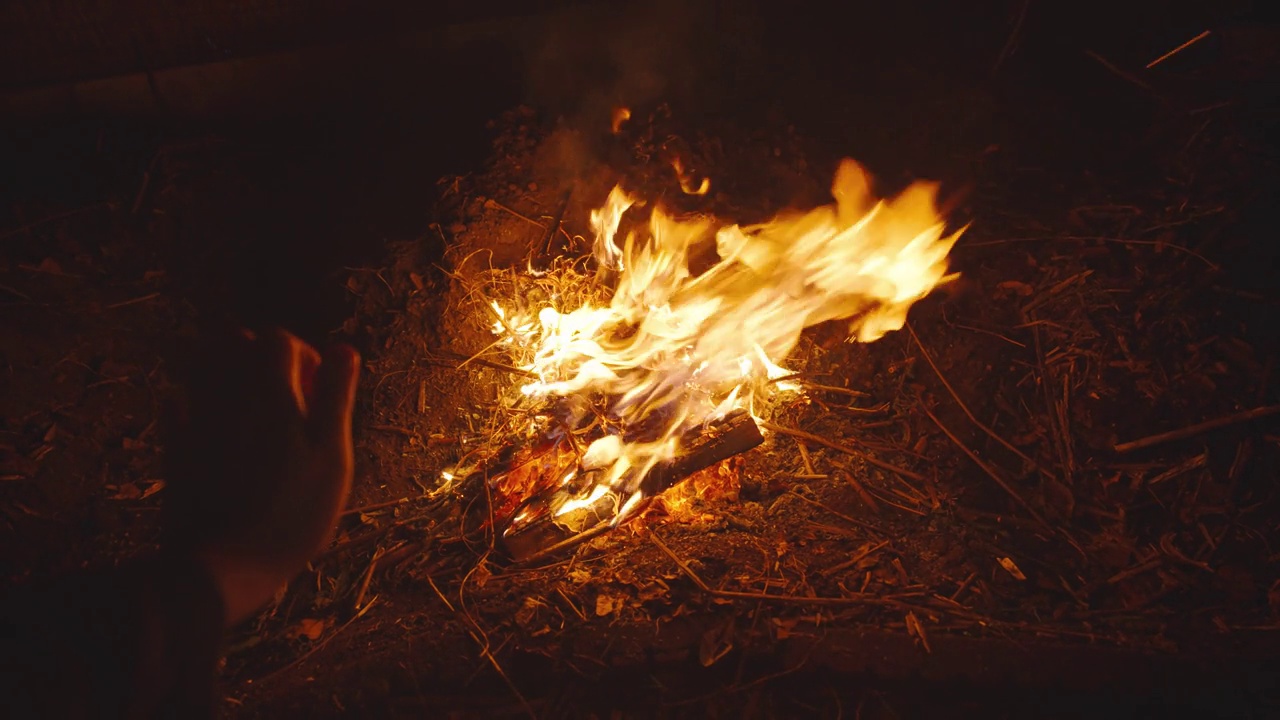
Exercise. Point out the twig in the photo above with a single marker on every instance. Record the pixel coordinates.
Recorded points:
(1193, 430)
(857, 557)
(963, 584)
(318, 646)
(368, 578)
(484, 651)
(738, 688)
(16, 293)
(1012, 42)
(134, 301)
(572, 605)
(965, 408)
(855, 599)
(146, 180)
(1009, 340)
(1089, 238)
(842, 448)
(851, 520)
(988, 469)
(395, 429)
(1126, 76)
(525, 218)
(556, 220)
(804, 457)
(52, 218)
(1051, 406)
(820, 388)
(486, 363)
(382, 505)
(866, 497)
(372, 536)
(906, 497)
(1178, 49)
(1135, 570)
(1064, 424)
(1185, 466)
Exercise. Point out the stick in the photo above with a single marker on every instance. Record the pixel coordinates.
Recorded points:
(1012, 42)
(795, 377)
(1178, 49)
(866, 497)
(545, 533)
(988, 469)
(383, 505)
(483, 644)
(1128, 77)
(481, 361)
(556, 220)
(857, 557)
(851, 520)
(525, 218)
(854, 599)
(51, 218)
(842, 448)
(17, 293)
(965, 408)
(964, 584)
(1193, 430)
(315, 648)
(134, 301)
(804, 456)
(1082, 238)
(1051, 407)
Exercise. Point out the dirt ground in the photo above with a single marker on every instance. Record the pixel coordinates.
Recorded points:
(988, 519)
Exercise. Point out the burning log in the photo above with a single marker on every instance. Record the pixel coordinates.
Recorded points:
(542, 525)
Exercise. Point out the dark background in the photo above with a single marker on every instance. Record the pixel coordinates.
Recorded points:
(338, 117)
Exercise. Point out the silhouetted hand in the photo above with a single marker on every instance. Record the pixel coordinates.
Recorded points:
(260, 462)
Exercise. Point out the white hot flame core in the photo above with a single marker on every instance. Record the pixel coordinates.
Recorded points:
(672, 351)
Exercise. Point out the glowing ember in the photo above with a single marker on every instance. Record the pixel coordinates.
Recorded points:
(620, 116)
(687, 185)
(670, 351)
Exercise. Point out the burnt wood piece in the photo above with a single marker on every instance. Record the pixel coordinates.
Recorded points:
(542, 532)
(549, 247)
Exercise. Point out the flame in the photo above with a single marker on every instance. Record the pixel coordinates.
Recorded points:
(686, 179)
(620, 116)
(670, 351)
(605, 222)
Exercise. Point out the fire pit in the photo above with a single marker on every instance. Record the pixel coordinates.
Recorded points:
(624, 426)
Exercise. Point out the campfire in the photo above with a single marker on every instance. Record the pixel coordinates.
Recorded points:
(666, 410)
(659, 354)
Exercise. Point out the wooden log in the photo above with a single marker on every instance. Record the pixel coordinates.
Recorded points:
(538, 531)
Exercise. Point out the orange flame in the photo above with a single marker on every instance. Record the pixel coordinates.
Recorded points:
(672, 351)
(686, 179)
(620, 116)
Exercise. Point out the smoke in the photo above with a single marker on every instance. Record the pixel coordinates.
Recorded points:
(590, 59)
(595, 58)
